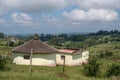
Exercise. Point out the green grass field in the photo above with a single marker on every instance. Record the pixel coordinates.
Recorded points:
(20, 72)
(5, 49)
(106, 47)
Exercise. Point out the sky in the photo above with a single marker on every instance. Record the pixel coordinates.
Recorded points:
(58, 16)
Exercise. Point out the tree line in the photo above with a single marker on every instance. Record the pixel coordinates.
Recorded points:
(73, 40)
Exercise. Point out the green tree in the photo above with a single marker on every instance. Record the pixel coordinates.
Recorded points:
(56, 41)
(108, 54)
(36, 36)
(11, 43)
(20, 42)
(2, 35)
(92, 68)
(113, 70)
(2, 63)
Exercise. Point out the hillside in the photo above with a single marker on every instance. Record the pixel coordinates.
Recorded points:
(19, 72)
(97, 43)
(111, 47)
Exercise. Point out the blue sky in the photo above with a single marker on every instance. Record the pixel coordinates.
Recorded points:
(58, 16)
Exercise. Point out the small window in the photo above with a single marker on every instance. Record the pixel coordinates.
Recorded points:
(62, 57)
(26, 57)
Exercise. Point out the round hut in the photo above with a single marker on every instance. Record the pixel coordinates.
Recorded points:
(42, 53)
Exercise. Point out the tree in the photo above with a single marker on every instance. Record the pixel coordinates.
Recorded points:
(2, 35)
(108, 54)
(56, 41)
(92, 68)
(11, 43)
(2, 63)
(65, 36)
(42, 36)
(20, 42)
(36, 36)
(113, 70)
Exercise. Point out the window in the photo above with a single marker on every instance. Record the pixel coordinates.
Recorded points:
(26, 57)
(62, 57)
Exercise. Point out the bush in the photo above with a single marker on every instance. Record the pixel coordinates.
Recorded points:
(2, 63)
(108, 54)
(113, 70)
(105, 54)
(92, 68)
(102, 55)
(20, 43)
(11, 43)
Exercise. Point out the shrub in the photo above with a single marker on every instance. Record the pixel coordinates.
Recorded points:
(105, 54)
(20, 43)
(11, 43)
(108, 54)
(2, 63)
(92, 68)
(113, 70)
(102, 55)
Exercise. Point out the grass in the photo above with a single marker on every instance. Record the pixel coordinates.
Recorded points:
(20, 72)
(3, 41)
(5, 49)
(106, 47)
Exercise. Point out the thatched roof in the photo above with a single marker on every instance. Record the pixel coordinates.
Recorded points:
(37, 46)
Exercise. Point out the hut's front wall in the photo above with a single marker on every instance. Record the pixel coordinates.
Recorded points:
(85, 54)
(77, 59)
(60, 61)
(37, 59)
(72, 59)
(81, 58)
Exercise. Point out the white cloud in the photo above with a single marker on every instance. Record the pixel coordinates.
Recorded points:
(91, 15)
(49, 18)
(33, 5)
(3, 10)
(96, 4)
(22, 18)
(2, 21)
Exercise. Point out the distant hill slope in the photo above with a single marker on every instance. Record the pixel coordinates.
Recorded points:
(112, 47)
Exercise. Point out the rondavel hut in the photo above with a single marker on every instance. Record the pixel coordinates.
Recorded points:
(45, 55)
(42, 53)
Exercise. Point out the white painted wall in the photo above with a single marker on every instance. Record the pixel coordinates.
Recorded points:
(52, 59)
(73, 59)
(35, 61)
(85, 54)
(68, 59)
(38, 59)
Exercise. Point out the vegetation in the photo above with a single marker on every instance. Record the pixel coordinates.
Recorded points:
(57, 41)
(113, 70)
(2, 35)
(2, 63)
(92, 68)
(105, 45)
(105, 54)
(19, 72)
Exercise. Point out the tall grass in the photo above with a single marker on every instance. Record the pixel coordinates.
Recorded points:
(19, 72)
